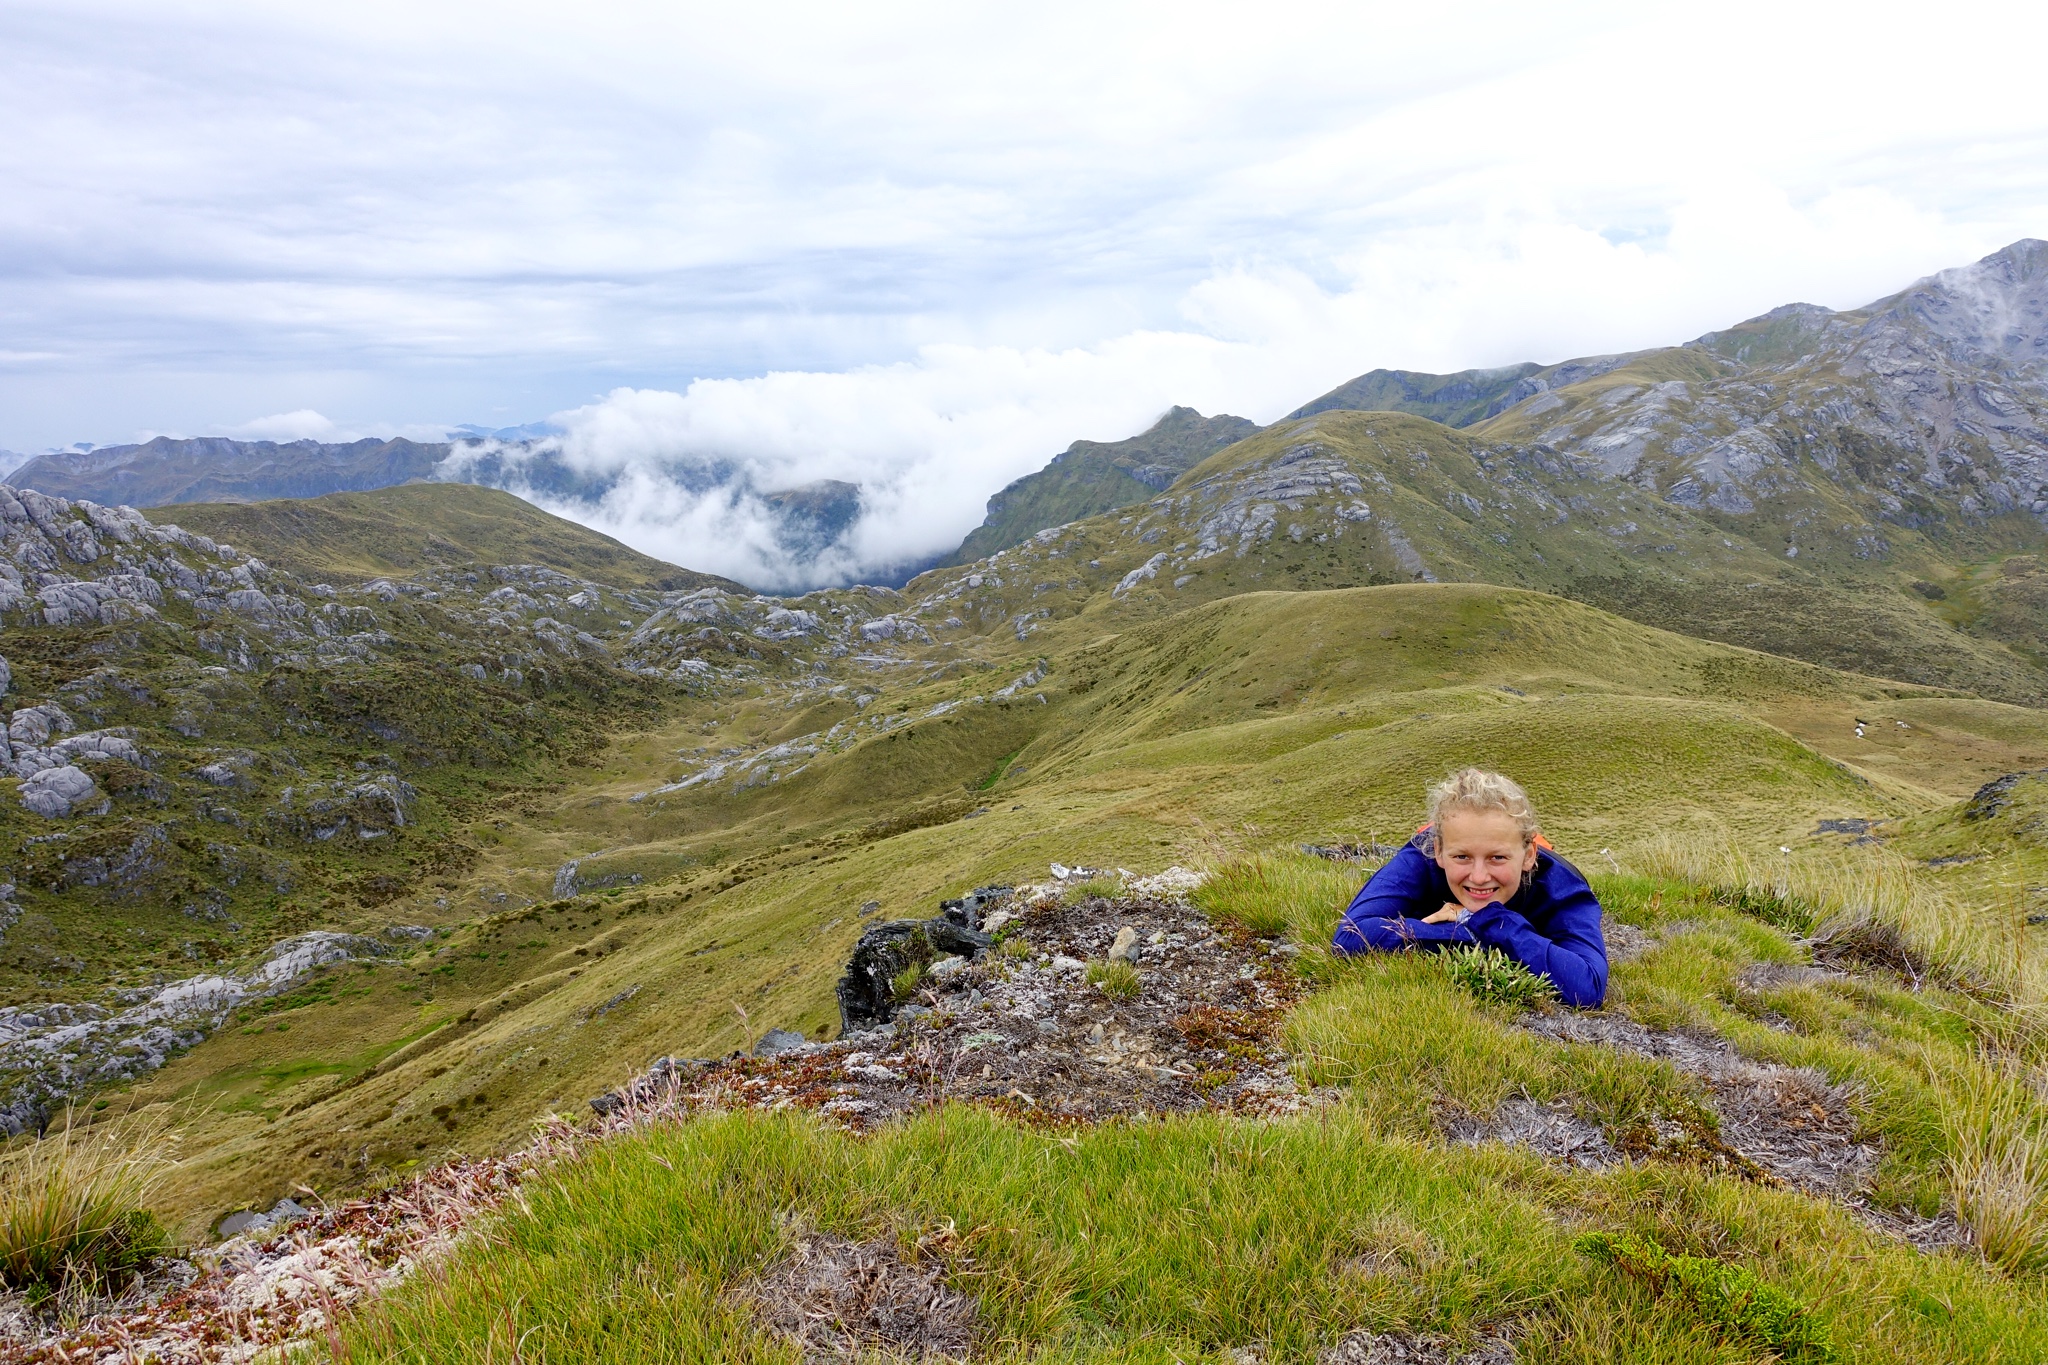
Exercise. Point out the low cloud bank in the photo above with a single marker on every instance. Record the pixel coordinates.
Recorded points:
(689, 475)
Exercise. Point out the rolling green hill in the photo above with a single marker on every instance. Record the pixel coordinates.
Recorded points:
(416, 526)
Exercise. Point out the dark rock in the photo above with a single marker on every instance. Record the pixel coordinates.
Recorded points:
(1993, 796)
(249, 1223)
(866, 992)
(969, 910)
(778, 1040)
(866, 996)
(948, 937)
(608, 1104)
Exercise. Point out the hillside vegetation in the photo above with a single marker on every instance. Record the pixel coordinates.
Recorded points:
(421, 526)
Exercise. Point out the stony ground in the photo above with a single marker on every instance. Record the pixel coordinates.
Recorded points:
(1024, 1030)
(1035, 1028)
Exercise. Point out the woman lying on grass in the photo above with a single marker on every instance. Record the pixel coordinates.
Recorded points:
(1479, 873)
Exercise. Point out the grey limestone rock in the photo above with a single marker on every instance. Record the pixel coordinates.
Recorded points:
(56, 792)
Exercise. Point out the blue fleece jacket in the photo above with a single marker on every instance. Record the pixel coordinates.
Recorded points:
(1552, 925)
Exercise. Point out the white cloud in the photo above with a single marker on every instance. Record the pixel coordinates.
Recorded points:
(303, 425)
(923, 247)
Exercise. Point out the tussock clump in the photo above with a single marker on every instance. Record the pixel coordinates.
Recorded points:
(1997, 1137)
(1728, 1297)
(1117, 980)
(1773, 907)
(74, 1208)
(1495, 978)
(1270, 894)
(1871, 942)
(842, 1300)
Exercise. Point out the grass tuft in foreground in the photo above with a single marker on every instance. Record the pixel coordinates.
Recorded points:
(1728, 1297)
(1998, 1164)
(74, 1208)
(1117, 980)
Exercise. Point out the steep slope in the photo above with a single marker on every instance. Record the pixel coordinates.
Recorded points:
(1360, 498)
(423, 526)
(216, 469)
(1099, 476)
(1911, 431)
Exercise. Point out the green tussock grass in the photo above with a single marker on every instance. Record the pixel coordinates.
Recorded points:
(1092, 888)
(1117, 980)
(75, 1206)
(1189, 1239)
(1271, 894)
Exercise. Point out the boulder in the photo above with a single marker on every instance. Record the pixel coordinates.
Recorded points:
(779, 1040)
(56, 792)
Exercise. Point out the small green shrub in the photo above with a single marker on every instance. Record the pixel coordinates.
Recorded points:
(1494, 977)
(72, 1207)
(1118, 980)
(904, 984)
(1729, 1297)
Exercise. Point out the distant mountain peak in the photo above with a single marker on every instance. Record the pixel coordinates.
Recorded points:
(1089, 477)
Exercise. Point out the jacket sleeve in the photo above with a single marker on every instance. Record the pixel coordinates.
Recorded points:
(1572, 953)
(1386, 914)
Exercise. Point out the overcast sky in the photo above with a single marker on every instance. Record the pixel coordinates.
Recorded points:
(923, 247)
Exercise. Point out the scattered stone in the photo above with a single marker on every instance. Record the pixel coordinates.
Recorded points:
(1126, 949)
(1398, 1348)
(52, 1053)
(1030, 1037)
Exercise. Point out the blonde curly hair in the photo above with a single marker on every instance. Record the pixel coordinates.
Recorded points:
(1477, 790)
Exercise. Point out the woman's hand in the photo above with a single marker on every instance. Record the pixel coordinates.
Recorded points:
(1450, 914)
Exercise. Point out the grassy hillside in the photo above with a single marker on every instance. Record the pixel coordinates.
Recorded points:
(416, 526)
(1255, 720)
(607, 865)
(1352, 498)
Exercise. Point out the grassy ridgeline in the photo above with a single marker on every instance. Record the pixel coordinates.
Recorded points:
(1191, 1238)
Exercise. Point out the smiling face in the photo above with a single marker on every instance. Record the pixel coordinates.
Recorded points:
(1483, 856)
